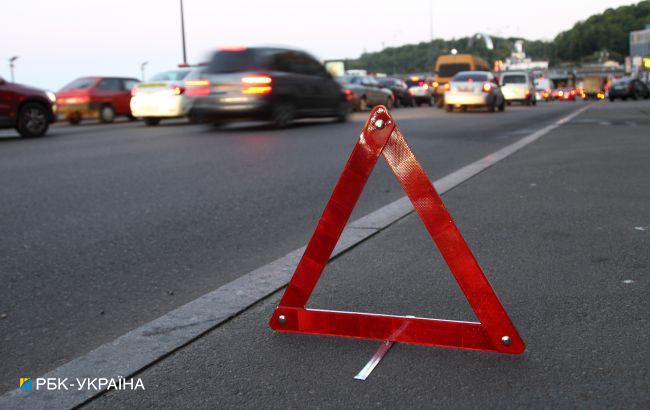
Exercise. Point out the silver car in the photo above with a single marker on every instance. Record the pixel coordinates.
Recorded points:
(474, 89)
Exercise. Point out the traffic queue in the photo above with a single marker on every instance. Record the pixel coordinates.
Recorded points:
(280, 85)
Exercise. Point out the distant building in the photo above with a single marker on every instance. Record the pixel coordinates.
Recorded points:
(640, 43)
(638, 63)
(519, 61)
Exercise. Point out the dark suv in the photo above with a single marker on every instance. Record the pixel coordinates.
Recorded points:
(264, 84)
(29, 110)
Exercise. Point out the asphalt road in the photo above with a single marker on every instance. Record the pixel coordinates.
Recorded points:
(561, 229)
(106, 227)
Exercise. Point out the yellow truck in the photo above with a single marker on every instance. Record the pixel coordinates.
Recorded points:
(449, 65)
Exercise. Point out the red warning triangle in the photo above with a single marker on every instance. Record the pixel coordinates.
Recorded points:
(494, 332)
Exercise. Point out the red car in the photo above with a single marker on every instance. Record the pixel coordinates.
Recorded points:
(101, 97)
(565, 94)
(29, 110)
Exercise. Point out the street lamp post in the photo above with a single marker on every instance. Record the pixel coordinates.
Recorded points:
(142, 66)
(11, 67)
(183, 34)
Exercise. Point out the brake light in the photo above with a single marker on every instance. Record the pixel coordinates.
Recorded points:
(257, 84)
(527, 93)
(573, 92)
(447, 87)
(487, 87)
(257, 90)
(425, 86)
(435, 84)
(560, 93)
(197, 87)
(349, 94)
(134, 91)
(257, 79)
(178, 90)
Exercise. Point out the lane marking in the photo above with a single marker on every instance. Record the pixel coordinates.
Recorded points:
(155, 340)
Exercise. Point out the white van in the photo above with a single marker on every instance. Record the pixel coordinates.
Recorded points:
(518, 86)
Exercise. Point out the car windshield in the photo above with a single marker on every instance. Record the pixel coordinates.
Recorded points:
(175, 75)
(448, 70)
(465, 77)
(233, 61)
(513, 79)
(79, 84)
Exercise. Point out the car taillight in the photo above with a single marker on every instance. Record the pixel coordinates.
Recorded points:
(425, 86)
(197, 87)
(178, 90)
(435, 84)
(349, 94)
(527, 93)
(573, 92)
(447, 87)
(134, 91)
(487, 87)
(412, 92)
(257, 84)
(257, 79)
(560, 93)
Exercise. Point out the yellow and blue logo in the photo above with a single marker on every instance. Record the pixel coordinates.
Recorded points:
(25, 384)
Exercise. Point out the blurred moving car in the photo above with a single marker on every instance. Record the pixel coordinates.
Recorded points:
(101, 97)
(449, 65)
(29, 110)
(400, 90)
(265, 83)
(474, 89)
(364, 92)
(420, 90)
(517, 86)
(543, 89)
(564, 94)
(161, 97)
(628, 88)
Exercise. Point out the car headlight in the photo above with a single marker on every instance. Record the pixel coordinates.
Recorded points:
(51, 96)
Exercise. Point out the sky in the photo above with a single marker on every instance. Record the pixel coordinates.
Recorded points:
(58, 41)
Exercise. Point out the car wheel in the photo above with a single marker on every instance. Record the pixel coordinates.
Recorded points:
(282, 114)
(449, 108)
(430, 102)
(502, 106)
(106, 114)
(363, 104)
(151, 121)
(418, 103)
(623, 98)
(74, 119)
(492, 106)
(611, 99)
(343, 112)
(32, 120)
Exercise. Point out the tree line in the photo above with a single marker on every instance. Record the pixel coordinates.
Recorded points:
(603, 36)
